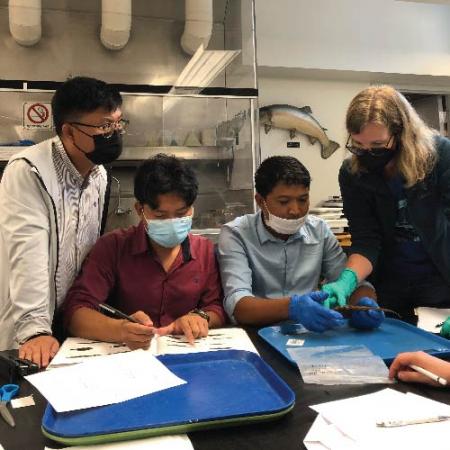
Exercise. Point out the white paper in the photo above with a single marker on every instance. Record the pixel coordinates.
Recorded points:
(21, 402)
(104, 380)
(217, 339)
(177, 442)
(356, 418)
(325, 436)
(76, 350)
(430, 317)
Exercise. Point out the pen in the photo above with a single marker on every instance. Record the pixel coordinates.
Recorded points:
(430, 375)
(402, 423)
(115, 312)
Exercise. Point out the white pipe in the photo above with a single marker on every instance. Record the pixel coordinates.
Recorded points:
(116, 23)
(25, 21)
(198, 26)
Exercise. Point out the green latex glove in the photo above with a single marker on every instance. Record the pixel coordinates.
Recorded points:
(445, 329)
(340, 290)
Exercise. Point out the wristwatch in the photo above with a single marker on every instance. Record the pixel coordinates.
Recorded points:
(201, 313)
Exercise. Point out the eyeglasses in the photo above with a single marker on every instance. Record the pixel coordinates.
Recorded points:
(108, 128)
(373, 151)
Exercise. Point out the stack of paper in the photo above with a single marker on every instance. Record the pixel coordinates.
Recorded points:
(351, 424)
(76, 350)
(331, 211)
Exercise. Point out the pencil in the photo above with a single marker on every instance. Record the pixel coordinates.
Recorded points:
(402, 423)
(430, 375)
(115, 312)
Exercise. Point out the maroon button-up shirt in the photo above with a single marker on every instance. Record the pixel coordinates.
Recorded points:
(123, 271)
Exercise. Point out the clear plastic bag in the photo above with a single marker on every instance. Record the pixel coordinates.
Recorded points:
(343, 364)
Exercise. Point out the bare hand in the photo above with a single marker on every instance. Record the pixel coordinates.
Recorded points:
(40, 350)
(400, 368)
(191, 325)
(137, 335)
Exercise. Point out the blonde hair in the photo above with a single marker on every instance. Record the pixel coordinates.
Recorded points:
(384, 105)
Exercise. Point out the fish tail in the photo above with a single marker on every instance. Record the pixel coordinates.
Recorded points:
(329, 149)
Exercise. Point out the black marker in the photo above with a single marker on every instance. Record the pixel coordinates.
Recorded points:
(116, 313)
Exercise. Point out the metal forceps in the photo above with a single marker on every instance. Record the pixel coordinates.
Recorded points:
(7, 392)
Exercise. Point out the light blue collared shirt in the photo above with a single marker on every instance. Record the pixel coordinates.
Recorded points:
(253, 262)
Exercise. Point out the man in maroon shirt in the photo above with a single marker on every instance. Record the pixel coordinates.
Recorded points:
(157, 272)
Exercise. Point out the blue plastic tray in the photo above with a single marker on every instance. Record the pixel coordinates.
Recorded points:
(394, 336)
(223, 388)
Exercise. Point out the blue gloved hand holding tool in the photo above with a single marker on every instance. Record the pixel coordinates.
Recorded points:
(366, 320)
(340, 290)
(308, 310)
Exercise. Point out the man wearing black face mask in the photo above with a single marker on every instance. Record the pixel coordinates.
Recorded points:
(396, 193)
(53, 199)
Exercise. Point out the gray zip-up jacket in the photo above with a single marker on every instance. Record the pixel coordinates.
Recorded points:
(29, 202)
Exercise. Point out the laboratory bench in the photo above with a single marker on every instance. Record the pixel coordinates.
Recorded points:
(285, 433)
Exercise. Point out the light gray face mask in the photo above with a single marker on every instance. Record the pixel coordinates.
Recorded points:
(284, 226)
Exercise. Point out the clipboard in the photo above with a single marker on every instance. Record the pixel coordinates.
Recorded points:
(392, 337)
(226, 387)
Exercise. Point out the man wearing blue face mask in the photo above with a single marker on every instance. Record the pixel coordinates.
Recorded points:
(271, 261)
(157, 272)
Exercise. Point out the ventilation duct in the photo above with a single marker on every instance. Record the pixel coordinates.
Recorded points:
(198, 26)
(25, 21)
(116, 23)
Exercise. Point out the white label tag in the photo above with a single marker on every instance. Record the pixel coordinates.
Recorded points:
(295, 342)
(22, 402)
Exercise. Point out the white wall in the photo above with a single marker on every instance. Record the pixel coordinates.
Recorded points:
(322, 52)
(362, 35)
(328, 101)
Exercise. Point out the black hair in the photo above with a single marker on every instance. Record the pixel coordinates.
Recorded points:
(280, 169)
(164, 174)
(82, 95)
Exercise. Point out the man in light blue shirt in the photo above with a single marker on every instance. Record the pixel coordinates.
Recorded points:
(271, 261)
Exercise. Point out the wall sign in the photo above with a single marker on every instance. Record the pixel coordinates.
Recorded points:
(37, 115)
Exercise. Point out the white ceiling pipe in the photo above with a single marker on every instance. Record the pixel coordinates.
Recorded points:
(116, 23)
(198, 26)
(25, 21)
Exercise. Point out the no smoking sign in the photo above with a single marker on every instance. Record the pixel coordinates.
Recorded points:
(37, 115)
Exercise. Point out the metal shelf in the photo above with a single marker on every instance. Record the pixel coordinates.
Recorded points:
(142, 153)
(191, 153)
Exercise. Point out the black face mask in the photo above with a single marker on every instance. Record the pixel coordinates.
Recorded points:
(376, 164)
(106, 150)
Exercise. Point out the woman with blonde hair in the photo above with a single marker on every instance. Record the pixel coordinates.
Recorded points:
(396, 193)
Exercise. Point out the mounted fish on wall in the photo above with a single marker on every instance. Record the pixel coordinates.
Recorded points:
(297, 120)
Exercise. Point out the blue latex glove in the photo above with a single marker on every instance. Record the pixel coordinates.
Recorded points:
(340, 290)
(308, 310)
(366, 320)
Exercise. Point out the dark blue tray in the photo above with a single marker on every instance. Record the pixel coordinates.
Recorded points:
(393, 337)
(223, 388)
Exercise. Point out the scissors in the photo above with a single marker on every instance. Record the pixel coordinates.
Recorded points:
(7, 392)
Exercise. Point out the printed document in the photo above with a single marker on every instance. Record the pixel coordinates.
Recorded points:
(104, 380)
(76, 350)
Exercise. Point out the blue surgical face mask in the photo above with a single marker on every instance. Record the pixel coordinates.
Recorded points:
(169, 232)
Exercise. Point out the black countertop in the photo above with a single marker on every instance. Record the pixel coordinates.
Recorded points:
(285, 433)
